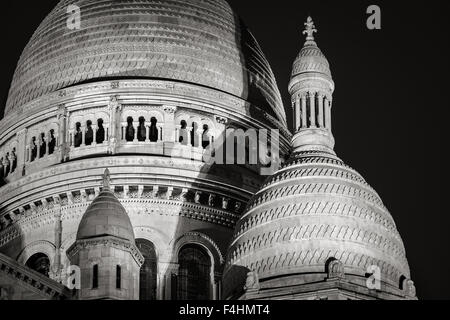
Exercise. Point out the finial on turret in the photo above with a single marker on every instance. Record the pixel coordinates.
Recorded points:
(310, 29)
(107, 180)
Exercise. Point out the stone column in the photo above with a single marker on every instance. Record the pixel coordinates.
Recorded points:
(199, 139)
(217, 293)
(189, 138)
(114, 114)
(304, 113)
(136, 128)
(21, 149)
(328, 114)
(169, 125)
(47, 142)
(177, 133)
(72, 138)
(39, 142)
(147, 132)
(94, 130)
(169, 193)
(57, 266)
(298, 115)
(140, 191)
(83, 136)
(62, 123)
(312, 101)
(113, 106)
(321, 122)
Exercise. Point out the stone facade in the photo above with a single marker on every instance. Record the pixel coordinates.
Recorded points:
(150, 106)
(148, 92)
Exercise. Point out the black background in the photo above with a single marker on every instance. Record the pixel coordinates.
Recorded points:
(389, 116)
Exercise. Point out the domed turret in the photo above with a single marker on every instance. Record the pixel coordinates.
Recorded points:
(316, 229)
(106, 217)
(105, 250)
(311, 88)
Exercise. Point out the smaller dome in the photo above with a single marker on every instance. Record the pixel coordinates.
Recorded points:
(311, 60)
(106, 217)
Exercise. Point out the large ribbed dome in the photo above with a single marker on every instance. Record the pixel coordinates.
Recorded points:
(315, 209)
(196, 41)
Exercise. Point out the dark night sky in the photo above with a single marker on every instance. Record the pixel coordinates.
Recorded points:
(388, 115)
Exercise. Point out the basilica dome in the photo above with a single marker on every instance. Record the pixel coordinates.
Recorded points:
(200, 42)
(314, 210)
(106, 217)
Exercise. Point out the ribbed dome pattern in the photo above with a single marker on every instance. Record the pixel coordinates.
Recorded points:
(311, 60)
(313, 209)
(106, 217)
(195, 41)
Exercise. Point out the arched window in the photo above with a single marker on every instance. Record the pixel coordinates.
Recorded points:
(39, 262)
(118, 277)
(100, 132)
(33, 149)
(194, 137)
(154, 133)
(142, 131)
(183, 133)
(194, 280)
(130, 131)
(205, 136)
(95, 277)
(43, 149)
(52, 142)
(78, 139)
(89, 139)
(13, 160)
(149, 270)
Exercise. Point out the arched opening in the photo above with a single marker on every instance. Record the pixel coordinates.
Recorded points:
(194, 280)
(13, 160)
(39, 262)
(130, 131)
(154, 133)
(78, 139)
(142, 131)
(308, 113)
(43, 148)
(33, 149)
(52, 142)
(205, 136)
(89, 133)
(183, 133)
(95, 277)
(401, 282)
(100, 137)
(149, 270)
(118, 277)
(194, 136)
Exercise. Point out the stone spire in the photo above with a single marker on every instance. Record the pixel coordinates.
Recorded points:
(311, 89)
